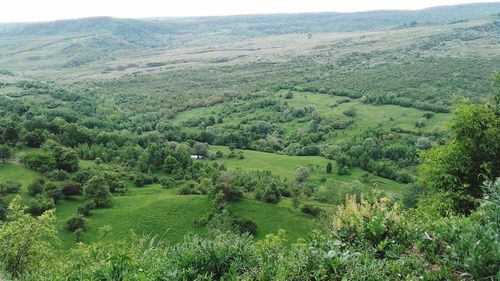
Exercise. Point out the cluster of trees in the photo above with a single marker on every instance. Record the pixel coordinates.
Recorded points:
(378, 151)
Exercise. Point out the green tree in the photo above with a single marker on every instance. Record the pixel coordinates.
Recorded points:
(329, 168)
(5, 152)
(26, 241)
(302, 174)
(65, 158)
(11, 133)
(200, 149)
(460, 166)
(97, 190)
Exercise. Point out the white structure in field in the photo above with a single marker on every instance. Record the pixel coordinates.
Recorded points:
(196, 157)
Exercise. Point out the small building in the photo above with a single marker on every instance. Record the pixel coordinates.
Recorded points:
(196, 157)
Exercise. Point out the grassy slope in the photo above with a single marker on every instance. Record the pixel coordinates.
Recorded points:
(153, 210)
(285, 166)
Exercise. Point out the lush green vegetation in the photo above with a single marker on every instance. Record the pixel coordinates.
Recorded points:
(134, 150)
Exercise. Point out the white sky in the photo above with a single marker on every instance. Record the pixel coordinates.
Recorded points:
(44, 10)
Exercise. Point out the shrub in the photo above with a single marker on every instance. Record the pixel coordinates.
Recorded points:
(57, 175)
(302, 174)
(329, 168)
(225, 186)
(191, 188)
(36, 187)
(9, 186)
(71, 190)
(311, 210)
(141, 180)
(41, 162)
(168, 183)
(246, 226)
(351, 112)
(75, 223)
(271, 194)
(3, 209)
(84, 209)
(53, 191)
(376, 223)
(40, 204)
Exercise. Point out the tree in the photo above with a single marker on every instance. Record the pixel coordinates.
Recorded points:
(25, 241)
(97, 190)
(170, 164)
(35, 138)
(302, 174)
(329, 168)
(5, 152)
(200, 149)
(10, 134)
(65, 158)
(459, 167)
(226, 187)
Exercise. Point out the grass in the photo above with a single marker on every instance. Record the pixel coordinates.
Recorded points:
(285, 167)
(270, 217)
(153, 210)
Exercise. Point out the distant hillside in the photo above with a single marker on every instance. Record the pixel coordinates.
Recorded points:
(341, 22)
(107, 44)
(252, 25)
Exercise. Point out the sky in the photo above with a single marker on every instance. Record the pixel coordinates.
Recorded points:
(46, 10)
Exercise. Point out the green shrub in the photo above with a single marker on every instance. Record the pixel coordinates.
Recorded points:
(75, 223)
(39, 205)
(246, 226)
(9, 186)
(311, 210)
(36, 187)
(85, 208)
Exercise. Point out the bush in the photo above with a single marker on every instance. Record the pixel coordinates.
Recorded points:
(246, 226)
(75, 223)
(302, 174)
(9, 186)
(42, 162)
(141, 180)
(39, 205)
(351, 112)
(3, 209)
(57, 175)
(376, 223)
(53, 191)
(191, 188)
(271, 194)
(36, 187)
(84, 209)
(168, 183)
(71, 190)
(311, 210)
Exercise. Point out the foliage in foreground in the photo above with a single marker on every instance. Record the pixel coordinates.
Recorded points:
(369, 239)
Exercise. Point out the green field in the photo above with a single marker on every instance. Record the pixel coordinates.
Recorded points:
(155, 211)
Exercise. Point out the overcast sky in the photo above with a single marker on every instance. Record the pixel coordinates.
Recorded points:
(44, 10)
